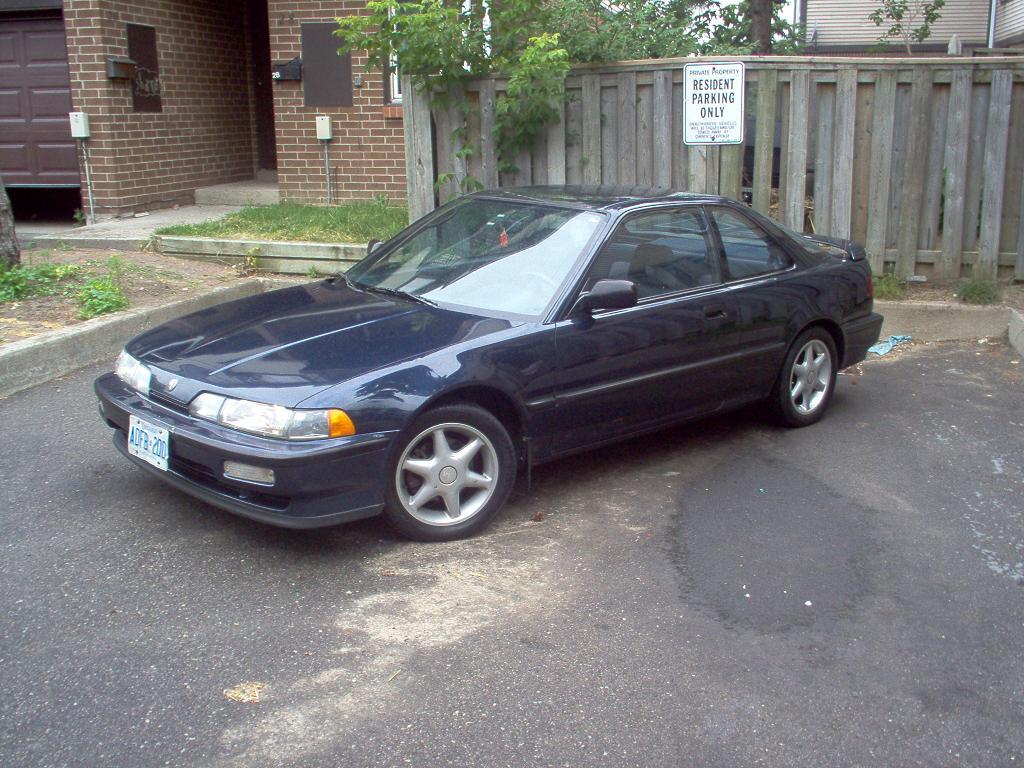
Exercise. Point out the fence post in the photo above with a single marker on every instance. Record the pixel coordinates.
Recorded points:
(882, 126)
(592, 129)
(914, 173)
(843, 141)
(796, 162)
(488, 150)
(996, 139)
(764, 141)
(419, 151)
(955, 166)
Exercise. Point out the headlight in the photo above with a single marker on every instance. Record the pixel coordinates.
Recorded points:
(272, 420)
(132, 372)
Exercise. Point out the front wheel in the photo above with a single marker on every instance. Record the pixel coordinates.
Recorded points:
(451, 472)
(807, 379)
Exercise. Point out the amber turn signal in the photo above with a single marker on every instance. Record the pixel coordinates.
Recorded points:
(340, 423)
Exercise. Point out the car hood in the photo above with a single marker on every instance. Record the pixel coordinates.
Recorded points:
(301, 339)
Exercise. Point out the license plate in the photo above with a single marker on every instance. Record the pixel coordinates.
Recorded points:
(149, 442)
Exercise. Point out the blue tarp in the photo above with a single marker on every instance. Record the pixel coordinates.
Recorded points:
(885, 347)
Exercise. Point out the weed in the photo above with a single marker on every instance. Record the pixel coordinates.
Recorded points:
(99, 296)
(250, 261)
(311, 273)
(22, 281)
(79, 217)
(888, 286)
(13, 284)
(978, 290)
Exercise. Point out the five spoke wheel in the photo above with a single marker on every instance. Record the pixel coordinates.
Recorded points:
(810, 376)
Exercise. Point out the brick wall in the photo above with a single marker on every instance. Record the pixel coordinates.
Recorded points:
(204, 134)
(367, 153)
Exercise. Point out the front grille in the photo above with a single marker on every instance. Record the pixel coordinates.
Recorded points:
(168, 402)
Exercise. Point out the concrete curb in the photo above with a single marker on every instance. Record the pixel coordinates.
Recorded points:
(939, 321)
(1017, 331)
(97, 242)
(44, 357)
(285, 257)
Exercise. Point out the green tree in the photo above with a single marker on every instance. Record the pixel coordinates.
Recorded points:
(441, 44)
(740, 30)
(906, 21)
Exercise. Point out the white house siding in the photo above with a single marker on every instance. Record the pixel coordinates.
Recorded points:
(1009, 21)
(846, 22)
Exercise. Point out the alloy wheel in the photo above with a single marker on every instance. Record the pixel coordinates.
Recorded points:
(447, 474)
(810, 377)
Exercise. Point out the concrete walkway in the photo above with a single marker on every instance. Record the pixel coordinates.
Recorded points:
(129, 234)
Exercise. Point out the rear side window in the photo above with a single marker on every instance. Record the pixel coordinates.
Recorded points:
(749, 250)
(661, 252)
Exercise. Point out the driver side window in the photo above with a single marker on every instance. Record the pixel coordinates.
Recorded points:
(661, 252)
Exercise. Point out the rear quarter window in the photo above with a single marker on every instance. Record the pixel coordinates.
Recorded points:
(749, 250)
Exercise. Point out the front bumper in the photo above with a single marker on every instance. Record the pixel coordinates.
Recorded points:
(859, 335)
(317, 483)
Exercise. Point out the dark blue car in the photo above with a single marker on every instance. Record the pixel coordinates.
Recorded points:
(503, 330)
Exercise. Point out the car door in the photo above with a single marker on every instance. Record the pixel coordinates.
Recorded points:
(621, 371)
(758, 273)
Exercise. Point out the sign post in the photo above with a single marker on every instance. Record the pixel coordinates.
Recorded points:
(713, 103)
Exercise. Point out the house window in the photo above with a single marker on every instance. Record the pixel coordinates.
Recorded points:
(394, 93)
(394, 79)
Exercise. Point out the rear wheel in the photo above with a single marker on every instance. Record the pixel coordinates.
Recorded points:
(807, 379)
(451, 472)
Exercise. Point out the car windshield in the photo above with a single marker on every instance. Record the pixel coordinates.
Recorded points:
(490, 255)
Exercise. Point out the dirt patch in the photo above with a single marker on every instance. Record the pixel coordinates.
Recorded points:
(147, 279)
(1012, 293)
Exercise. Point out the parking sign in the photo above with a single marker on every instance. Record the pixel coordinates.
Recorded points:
(713, 103)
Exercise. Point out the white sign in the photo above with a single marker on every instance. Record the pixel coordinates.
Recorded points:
(713, 103)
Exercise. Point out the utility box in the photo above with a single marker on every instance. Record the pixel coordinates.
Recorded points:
(323, 127)
(79, 125)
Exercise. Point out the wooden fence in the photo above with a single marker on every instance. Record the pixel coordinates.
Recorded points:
(920, 159)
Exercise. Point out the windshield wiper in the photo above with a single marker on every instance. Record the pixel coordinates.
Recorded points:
(387, 291)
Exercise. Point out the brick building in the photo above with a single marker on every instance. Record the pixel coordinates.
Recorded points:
(187, 94)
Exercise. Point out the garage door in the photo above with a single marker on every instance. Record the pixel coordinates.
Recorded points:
(36, 149)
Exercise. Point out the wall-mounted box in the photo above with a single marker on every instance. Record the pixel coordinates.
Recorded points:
(79, 125)
(120, 68)
(289, 70)
(323, 127)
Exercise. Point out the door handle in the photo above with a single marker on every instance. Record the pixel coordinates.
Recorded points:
(715, 313)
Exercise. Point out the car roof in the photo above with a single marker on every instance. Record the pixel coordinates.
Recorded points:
(600, 197)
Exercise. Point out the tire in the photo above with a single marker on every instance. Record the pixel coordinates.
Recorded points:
(807, 379)
(432, 499)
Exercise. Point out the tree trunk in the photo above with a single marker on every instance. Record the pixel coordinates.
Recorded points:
(761, 25)
(10, 254)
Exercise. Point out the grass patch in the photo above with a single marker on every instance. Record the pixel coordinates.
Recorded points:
(23, 281)
(350, 223)
(979, 291)
(888, 286)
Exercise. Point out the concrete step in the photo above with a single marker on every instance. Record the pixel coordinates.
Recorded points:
(252, 192)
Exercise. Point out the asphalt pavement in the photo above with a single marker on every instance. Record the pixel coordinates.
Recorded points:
(726, 593)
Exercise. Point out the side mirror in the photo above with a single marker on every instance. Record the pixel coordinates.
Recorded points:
(606, 294)
(372, 246)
